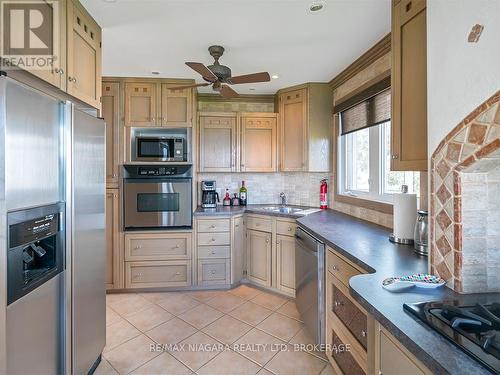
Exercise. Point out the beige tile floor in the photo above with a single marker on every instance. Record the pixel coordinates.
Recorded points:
(241, 331)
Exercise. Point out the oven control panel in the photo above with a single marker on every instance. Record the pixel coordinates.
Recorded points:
(157, 171)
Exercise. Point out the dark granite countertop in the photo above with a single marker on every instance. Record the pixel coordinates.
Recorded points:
(368, 246)
(254, 209)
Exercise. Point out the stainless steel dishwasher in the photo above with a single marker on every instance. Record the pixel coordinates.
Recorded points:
(310, 283)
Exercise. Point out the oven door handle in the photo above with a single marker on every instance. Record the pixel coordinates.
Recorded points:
(157, 180)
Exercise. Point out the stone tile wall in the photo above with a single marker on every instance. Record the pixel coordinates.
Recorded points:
(465, 202)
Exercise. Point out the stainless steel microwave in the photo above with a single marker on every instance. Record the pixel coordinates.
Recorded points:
(153, 145)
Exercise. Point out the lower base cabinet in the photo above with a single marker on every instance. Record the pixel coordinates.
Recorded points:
(392, 358)
(160, 274)
(285, 264)
(259, 257)
(114, 262)
(213, 271)
(158, 259)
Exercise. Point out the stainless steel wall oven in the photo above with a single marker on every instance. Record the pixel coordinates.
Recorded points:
(157, 197)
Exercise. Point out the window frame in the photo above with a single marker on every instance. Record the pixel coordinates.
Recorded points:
(377, 166)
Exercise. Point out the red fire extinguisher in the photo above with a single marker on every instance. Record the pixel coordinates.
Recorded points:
(323, 195)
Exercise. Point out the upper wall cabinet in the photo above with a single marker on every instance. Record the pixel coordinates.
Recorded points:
(140, 104)
(218, 142)
(176, 106)
(258, 142)
(84, 55)
(154, 103)
(76, 68)
(409, 86)
(238, 142)
(306, 130)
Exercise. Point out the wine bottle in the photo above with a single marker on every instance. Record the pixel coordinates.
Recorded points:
(243, 194)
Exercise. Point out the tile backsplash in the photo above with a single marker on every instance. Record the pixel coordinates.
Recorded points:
(264, 188)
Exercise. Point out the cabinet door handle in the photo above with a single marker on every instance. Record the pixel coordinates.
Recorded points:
(334, 267)
(213, 240)
(213, 272)
(363, 333)
(394, 156)
(267, 240)
(72, 79)
(289, 229)
(236, 225)
(338, 303)
(152, 118)
(137, 247)
(177, 274)
(212, 226)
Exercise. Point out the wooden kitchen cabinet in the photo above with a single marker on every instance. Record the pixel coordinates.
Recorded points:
(285, 264)
(111, 115)
(83, 55)
(258, 142)
(150, 102)
(392, 358)
(140, 104)
(346, 320)
(305, 113)
(218, 142)
(258, 249)
(176, 106)
(56, 74)
(409, 86)
(238, 253)
(113, 259)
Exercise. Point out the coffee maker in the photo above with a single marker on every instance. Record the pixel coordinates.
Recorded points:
(209, 197)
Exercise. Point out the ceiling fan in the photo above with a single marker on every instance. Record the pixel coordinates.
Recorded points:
(219, 76)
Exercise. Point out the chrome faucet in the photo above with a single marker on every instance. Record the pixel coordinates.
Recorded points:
(283, 198)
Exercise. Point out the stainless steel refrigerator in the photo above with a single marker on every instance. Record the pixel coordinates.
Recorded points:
(52, 234)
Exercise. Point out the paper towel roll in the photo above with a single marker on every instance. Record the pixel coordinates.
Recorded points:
(405, 214)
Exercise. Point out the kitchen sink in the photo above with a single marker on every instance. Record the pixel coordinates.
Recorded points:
(283, 209)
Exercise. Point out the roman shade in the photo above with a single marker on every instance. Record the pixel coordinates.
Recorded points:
(368, 108)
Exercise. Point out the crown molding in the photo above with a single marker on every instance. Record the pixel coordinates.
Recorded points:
(382, 47)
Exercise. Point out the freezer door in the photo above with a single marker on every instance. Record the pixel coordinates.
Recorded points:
(88, 255)
(33, 149)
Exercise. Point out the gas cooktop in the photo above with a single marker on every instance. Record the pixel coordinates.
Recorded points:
(473, 328)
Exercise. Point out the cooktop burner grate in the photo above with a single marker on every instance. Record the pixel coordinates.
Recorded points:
(475, 328)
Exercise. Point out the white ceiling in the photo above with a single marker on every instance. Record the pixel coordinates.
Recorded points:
(278, 36)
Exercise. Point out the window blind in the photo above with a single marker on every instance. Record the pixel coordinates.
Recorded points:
(368, 108)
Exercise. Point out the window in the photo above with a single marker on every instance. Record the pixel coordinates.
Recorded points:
(364, 165)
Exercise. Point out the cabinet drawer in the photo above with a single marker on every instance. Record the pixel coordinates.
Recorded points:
(157, 274)
(157, 246)
(260, 223)
(205, 252)
(340, 268)
(214, 225)
(213, 271)
(353, 318)
(214, 239)
(342, 357)
(285, 228)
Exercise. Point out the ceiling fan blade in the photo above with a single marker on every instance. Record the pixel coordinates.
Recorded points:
(250, 78)
(228, 92)
(189, 86)
(203, 70)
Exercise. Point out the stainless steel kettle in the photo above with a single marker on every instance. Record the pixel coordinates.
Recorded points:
(421, 233)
